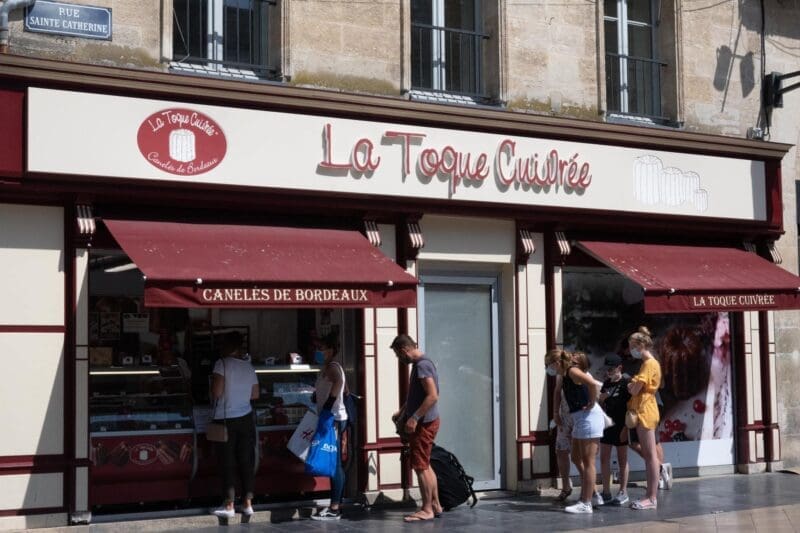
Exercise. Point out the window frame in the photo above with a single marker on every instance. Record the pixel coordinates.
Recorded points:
(439, 64)
(621, 56)
(213, 61)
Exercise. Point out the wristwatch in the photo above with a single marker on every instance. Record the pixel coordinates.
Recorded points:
(416, 417)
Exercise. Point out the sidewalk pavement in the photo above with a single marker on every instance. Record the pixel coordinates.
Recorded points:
(732, 503)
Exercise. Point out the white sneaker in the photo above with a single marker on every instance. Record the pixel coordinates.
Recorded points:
(620, 499)
(579, 508)
(224, 512)
(248, 511)
(666, 476)
(327, 514)
(597, 500)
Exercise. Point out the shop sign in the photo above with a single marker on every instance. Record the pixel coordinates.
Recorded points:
(169, 295)
(548, 171)
(181, 141)
(282, 296)
(720, 302)
(59, 18)
(312, 154)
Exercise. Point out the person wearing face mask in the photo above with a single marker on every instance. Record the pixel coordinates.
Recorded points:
(329, 395)
(581, 392)
(564, 448)
(643, 387)
(630, 367)
(614, 396)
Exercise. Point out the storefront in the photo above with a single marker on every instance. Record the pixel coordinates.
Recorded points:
(175, 210)
(159, 302)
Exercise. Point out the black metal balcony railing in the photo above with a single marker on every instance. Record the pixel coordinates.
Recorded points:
(447, 60)
(633, 85)
(240, 41)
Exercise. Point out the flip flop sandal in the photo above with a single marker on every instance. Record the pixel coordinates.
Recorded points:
(639, 505)
(563, 495)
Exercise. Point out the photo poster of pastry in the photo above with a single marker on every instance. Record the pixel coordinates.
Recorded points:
(600, 311)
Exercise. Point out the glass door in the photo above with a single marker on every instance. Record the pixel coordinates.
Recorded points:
(458, 332)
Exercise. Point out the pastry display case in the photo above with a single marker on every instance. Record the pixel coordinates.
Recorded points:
(142, 435)
(285, 396)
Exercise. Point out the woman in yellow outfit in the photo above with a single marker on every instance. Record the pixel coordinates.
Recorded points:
(643, 387)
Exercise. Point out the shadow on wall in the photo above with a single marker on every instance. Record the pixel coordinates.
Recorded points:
(781, 20)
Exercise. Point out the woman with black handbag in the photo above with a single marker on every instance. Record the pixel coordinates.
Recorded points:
(233, 387)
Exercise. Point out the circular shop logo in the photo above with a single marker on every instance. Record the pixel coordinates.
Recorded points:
(143, 454)
(182, 141)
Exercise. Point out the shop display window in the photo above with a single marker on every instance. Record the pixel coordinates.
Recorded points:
(138, 399)
(600, 311)
(149, 387)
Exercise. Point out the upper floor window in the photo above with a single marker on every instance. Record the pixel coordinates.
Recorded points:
(633, 70)
(230, 36)
(447, 46)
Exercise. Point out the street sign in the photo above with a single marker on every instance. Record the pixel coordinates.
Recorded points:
(69, 19)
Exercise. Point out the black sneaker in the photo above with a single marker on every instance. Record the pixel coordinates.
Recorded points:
(327, 514)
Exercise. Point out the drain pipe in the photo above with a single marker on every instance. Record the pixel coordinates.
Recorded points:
(7, 7)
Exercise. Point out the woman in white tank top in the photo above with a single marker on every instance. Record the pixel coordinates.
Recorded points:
(330, 389)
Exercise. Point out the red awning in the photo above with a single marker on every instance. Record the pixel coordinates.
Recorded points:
(210, 265)
(691, 279)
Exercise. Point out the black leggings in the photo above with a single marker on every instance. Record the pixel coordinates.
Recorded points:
(240, 450)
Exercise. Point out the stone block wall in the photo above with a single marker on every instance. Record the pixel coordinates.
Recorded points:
(350, 46)
(551, 58)
(136, 39)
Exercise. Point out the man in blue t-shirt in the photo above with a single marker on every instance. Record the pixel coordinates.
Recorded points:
(422, 422)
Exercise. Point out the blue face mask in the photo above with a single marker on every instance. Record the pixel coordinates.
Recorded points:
(636, 353)
(551, 371)
(319, 357)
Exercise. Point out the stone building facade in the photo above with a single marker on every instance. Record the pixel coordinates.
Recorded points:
(680, 75)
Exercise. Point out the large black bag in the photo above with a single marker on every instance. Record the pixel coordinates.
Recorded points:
(455, 486)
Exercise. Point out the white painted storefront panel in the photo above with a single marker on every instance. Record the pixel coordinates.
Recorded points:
(32, 491)
(154, 139)
(32, 394)
(469, 240)
(31, 265)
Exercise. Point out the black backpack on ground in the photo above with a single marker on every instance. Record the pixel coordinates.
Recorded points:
(455, 486)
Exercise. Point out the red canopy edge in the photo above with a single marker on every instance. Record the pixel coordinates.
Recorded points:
(217, 265)
(696, 279)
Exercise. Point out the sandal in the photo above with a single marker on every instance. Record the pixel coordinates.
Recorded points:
(644, 505)
(563, 495)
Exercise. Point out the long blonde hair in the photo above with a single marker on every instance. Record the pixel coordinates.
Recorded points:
(642, 337)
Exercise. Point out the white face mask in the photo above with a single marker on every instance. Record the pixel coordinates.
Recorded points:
(551, 371)
(636, 353)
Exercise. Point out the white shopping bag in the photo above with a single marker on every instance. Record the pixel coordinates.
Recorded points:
(301, 438)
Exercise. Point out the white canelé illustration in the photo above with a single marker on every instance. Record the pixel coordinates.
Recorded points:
(181, 145)
(654, 184)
